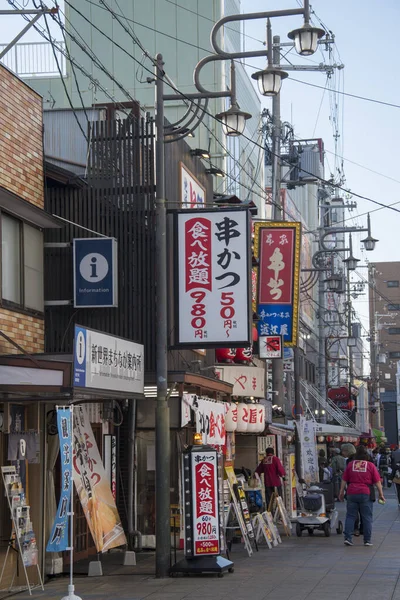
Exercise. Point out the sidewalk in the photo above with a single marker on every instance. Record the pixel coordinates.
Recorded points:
(307, 568)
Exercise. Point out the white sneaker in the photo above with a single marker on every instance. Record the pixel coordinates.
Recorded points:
(368, 544)
(348, 543)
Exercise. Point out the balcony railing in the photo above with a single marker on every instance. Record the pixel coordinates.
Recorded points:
(34, 59)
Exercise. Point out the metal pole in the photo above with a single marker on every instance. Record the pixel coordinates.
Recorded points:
(349, 333)
(297, 409)
(163, 535)
(277, 364)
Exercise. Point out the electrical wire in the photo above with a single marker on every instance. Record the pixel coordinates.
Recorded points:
(322, 180)
(62, 79)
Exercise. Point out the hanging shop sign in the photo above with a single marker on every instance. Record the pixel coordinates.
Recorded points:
(93, 487)
(247, 381)
(307, 431)
(106, 362)
(193, 194)
(210, 418)
(95, 272)
(277, 246)
(59, 539)
(212, 258)
(270, 346)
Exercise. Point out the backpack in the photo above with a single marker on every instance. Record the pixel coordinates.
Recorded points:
(396, 474)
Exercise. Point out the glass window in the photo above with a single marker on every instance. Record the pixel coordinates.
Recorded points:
(387, 375)
(394, 354)
(393, 306)
(33, 267)
(392, 283)
(394, 330)
(21, 264)
(11, 259)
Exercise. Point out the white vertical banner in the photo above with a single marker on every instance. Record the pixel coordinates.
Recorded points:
(213, 265)
(309, 459)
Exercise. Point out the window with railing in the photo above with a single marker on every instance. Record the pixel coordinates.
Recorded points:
(35, 59)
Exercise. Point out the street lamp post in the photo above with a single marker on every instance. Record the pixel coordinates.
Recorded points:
(233, 123)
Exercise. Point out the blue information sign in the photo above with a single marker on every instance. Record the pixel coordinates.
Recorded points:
(95, 272)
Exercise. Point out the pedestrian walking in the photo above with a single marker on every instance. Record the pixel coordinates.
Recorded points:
(384, 466)
(396, 472)
(359, 477)
(273, 470)
(338, 464)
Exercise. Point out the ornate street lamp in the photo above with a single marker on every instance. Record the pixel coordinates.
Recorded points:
(233, 120)
(369, 242)
(270, 79)
(335, 282)
(351, 261)
(306, 39)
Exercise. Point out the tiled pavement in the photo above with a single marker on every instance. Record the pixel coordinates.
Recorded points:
(307, 568)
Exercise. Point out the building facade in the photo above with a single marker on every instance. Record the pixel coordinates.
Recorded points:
(23, 221)
(384, 316)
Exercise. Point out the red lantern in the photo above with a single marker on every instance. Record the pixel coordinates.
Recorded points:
(329, 438)
(224, 355)
(244, 355)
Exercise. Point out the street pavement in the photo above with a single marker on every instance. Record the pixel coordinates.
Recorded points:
(306, 568)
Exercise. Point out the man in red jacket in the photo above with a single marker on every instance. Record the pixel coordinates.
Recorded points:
(273, 470)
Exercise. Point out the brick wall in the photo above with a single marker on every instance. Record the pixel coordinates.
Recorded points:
(26, 331)
(21, 140)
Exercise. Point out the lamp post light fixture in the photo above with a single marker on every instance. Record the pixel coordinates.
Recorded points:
(334, 282)
(369, 242)
(270, 79)
(215, 171)
(351, 261)
(200, 153)
(306, 38)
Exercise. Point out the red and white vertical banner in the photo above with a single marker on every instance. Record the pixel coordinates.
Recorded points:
(205, 507)
(214, 278)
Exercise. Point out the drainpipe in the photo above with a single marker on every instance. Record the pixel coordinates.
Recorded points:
(133, 534)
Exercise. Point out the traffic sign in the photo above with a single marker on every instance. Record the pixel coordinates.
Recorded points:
(270, 346)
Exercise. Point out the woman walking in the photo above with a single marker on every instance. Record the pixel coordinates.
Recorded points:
(359, 477)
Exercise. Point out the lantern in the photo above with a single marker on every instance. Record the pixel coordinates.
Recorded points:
(321, 438)
(231, 418)
(244, 355)
(255, 334)
(289, 438)
(252, 426)
(337, 438)
(260, 418)
(242, 417)
(329, 438)
(225, 355)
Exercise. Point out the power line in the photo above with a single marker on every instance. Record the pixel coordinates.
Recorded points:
(324, 181)
(342, 93)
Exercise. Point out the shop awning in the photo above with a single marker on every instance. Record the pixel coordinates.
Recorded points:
(27, 211)
(325, 429)
(379, 435)
(280, 428)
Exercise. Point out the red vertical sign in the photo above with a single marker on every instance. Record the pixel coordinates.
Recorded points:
(205, 503)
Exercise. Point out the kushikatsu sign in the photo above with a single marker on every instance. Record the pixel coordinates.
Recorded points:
(213, 283)
(277, 246)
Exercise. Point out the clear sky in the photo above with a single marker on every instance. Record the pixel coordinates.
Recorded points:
(366, 33)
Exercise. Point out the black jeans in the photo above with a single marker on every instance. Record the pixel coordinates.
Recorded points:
(398, 491)
(268, 493)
